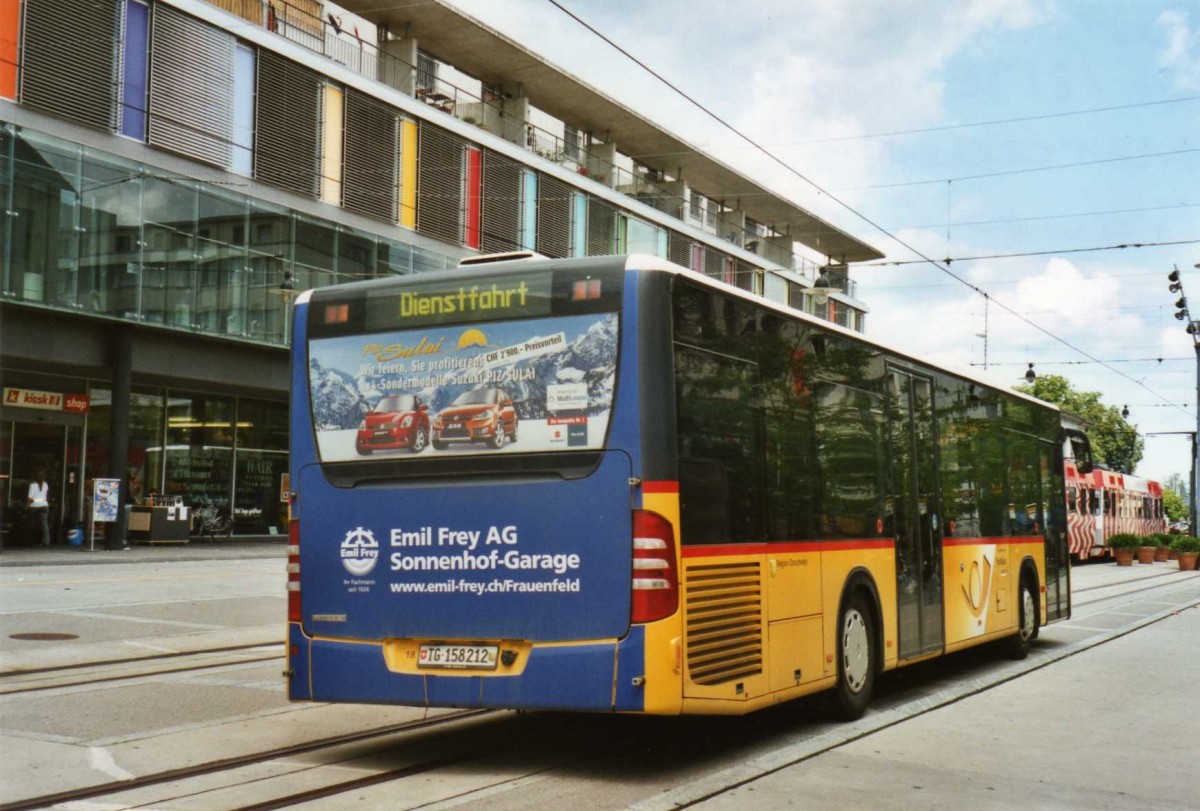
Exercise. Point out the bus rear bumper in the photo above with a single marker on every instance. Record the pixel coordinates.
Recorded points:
(587, 677)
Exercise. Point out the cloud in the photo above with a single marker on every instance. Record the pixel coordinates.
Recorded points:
(1181, 56)
(1063, 296)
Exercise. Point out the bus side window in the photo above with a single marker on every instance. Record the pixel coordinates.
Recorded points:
(704, 501)
(718, 422)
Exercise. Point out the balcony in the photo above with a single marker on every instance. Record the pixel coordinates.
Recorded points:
(351, 41)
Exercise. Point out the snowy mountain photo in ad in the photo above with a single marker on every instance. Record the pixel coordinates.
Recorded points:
(519, 386)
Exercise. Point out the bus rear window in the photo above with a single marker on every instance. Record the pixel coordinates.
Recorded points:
(531, 384)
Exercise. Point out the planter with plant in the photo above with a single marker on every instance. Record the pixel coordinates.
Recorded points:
(1147, 548)
(1164, 547)
(1188, 549)
(1123, 545)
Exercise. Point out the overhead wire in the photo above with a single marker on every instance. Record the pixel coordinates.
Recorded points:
(948, 127)
(1022, 254)
(1023, 171)
(1041, 217)
(821, 190)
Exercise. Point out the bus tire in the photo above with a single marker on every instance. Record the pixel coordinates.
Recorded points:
(856, 664)
(1018, 645)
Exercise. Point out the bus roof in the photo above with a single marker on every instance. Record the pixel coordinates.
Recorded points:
(646, 262)
(639, 262)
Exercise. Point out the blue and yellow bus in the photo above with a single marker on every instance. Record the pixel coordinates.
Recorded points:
(613, 484)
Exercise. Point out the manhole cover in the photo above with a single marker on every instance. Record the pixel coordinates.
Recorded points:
(43, 636)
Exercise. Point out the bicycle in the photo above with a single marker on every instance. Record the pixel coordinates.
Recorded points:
(207, 519)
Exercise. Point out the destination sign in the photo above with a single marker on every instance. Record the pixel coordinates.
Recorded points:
(460, 301)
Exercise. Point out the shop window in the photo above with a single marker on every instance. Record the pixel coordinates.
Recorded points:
(262, 459)
(199, 449)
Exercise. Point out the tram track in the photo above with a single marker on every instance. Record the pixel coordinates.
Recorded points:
(107, 791)
(1126, 589)
(469, 754)
(1142, 579)
(92, 674)
(807, 749)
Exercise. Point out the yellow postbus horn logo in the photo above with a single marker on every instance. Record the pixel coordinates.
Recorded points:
(472, 337)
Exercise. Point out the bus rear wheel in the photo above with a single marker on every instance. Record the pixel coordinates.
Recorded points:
(855, 658)
(1027, 625)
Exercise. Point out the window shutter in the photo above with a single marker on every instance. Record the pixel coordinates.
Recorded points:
(501, 204)
(679, 249)
(440, 197)
(602, 228)
(714, 263)
(747, 277)
(69, 59)
(372, 166)
(288, 125)
(554, 217)
(191, 87)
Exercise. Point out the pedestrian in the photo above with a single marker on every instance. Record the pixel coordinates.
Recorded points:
(38, 503)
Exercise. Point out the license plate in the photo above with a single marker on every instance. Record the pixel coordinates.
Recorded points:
(381, 432)
(482, 657)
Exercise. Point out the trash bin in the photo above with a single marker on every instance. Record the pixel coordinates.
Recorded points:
(75, 536)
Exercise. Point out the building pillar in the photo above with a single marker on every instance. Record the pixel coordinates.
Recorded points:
(398, 64)
(118, 429)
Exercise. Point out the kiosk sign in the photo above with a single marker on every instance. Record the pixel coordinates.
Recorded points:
(46, 400)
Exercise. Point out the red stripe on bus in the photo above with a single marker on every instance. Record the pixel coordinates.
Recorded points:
(660, 487)
(720, 550)
(981, 541)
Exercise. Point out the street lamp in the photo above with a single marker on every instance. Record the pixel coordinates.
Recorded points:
(1030, 375)
(1193, 328)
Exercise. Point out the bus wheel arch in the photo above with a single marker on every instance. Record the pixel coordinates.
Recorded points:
(859, 650)
(1028, 611)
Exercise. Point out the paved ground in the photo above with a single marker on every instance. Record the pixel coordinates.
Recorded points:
(144, 553)
(1079, 725)
(1114, 727)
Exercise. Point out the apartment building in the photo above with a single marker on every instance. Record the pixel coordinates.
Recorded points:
(172, 171)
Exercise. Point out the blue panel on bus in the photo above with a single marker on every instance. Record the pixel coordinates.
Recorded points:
(344, 671)
(540, 560)
(568, 678)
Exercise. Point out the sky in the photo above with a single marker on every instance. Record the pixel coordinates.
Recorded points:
(1043, 127)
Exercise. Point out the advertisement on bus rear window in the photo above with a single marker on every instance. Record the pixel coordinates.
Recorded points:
(508, 387)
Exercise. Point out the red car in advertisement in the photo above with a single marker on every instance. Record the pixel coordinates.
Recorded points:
(481, 415)
(397, 421)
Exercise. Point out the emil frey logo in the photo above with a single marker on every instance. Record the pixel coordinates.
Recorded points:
(360, 552)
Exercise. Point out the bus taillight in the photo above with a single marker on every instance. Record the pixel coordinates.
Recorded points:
(655, 577)
(293, 570)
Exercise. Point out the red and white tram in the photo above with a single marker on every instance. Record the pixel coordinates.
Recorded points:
(1102, 503)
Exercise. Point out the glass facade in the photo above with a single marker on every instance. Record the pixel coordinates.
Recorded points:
(202, 447)
(88, 232)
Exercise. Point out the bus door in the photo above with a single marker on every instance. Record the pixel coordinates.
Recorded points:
(1054, 529)
(916, 514)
